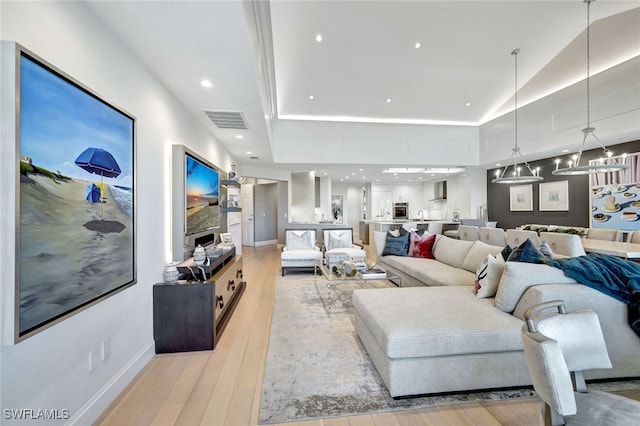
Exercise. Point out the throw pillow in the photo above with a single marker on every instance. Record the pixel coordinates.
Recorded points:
(488, 276)
(478, 252)
(339, 239)
(528, 253)
(416, 236)
(421, 247)
(299, 240)
(546, 250)
(396, 245)
(506, 251)
(518, 277)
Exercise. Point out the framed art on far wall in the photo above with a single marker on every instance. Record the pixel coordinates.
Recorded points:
(554, 196)
(521, 198)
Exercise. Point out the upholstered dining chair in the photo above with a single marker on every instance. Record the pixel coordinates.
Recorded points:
(340, 240)
(493, 236)
(634, 237)
(604, 234)
(515, 237)
(560, 346)
(563, 244)
(468, 233)
(300, 250)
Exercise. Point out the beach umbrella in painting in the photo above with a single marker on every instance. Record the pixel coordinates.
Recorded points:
(100, 162)
(93, 193)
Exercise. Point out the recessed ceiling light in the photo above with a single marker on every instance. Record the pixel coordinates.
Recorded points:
(362, 170)
(498, 164)
(353, 173)
(311, 97)
(249, 152)
(388, 100)
(364, 177)
(239, 137)
(417, 45)
(420, 177)
(565, 150)
(325, 173)
(468, 104)
(346, 177)
(206, 83)
(319, 38)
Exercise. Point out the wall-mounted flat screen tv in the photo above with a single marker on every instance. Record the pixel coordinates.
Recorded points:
(203, 196)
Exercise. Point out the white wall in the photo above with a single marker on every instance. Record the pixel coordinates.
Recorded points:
(50, 369)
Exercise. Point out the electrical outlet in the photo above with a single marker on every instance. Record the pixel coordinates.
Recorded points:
(93, 360)
(105, 349)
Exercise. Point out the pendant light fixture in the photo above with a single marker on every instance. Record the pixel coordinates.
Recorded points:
(607, 164)
(516, 175)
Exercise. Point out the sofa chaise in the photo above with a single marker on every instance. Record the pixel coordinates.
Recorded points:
(438, 336)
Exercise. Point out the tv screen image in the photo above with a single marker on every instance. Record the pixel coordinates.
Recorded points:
(203, 196)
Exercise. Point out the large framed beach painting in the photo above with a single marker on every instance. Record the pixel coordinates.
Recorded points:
(615, 196)
(76, 206)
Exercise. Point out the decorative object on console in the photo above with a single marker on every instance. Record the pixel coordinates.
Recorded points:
(517, 177)
(199, 255)
(574, 164)
(171, 272)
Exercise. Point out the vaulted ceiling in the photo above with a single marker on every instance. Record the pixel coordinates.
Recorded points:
(295, 69)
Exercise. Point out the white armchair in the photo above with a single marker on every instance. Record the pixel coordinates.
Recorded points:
(560, 346)
(340, 240)
(300, 250)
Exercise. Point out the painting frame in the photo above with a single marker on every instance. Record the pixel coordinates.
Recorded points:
(337, 208)
(554, 196)
(521, 198)
(82, 248)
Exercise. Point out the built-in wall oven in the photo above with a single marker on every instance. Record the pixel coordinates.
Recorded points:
(401, 210)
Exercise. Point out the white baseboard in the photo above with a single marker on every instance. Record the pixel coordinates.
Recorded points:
(265, 243)
(98, 403)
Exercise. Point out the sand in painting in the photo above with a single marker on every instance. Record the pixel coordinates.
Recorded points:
(63, 264)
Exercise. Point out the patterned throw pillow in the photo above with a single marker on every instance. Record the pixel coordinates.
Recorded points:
(421, 246)
(488, 276)
(396, 246)
(527, 252)
(506, 251)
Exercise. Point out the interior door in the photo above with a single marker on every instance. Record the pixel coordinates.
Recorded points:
(246, 200)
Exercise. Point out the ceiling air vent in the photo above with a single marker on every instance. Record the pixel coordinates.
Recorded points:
(227, 119)
(253, 157)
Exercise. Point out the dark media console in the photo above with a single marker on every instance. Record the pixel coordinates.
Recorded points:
(191, 315)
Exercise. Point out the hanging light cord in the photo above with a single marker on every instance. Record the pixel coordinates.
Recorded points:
(589, 130)
(516, 150)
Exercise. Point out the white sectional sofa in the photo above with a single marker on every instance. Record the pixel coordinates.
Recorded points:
(437, 336)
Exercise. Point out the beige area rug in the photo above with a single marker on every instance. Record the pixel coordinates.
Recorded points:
(317, 368)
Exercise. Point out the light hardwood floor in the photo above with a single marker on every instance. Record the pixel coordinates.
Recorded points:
(223, 386)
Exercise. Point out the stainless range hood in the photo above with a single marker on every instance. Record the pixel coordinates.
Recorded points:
(439, 191)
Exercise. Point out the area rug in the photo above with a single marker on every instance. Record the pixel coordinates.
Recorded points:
(317, 368)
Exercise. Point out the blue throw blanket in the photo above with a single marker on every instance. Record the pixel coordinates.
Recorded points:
(610, 275)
